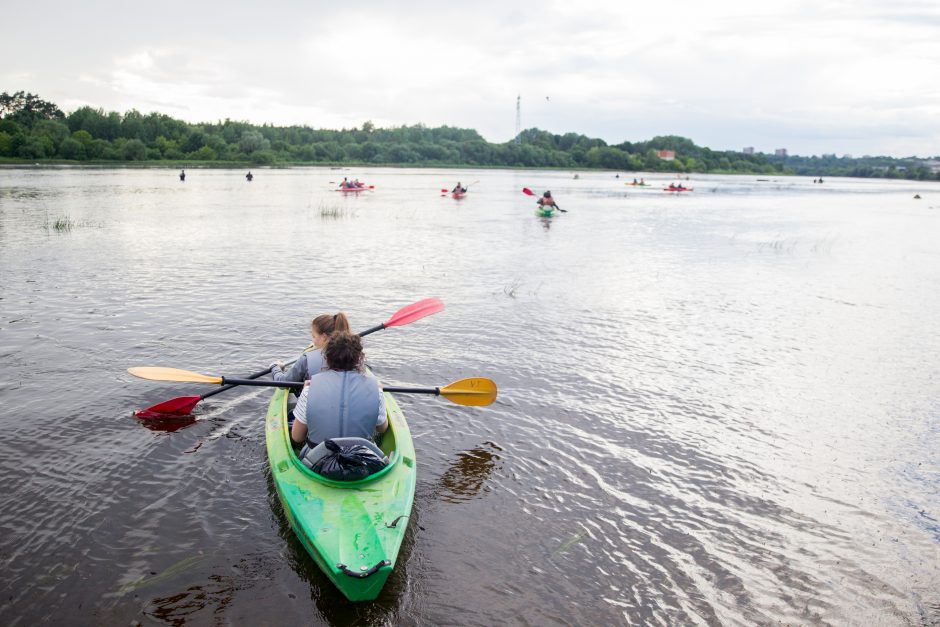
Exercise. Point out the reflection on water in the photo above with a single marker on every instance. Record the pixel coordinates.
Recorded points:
(466, 477)
(167, 425)
(719, 407)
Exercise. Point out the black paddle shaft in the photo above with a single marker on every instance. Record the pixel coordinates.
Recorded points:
(229, 386)
(296, 385)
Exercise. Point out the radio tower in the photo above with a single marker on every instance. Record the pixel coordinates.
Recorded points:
(518, 116)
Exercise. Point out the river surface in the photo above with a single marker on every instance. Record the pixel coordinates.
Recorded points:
(719, 407)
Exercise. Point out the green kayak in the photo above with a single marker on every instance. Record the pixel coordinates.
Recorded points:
(545, 212)
(352, 529)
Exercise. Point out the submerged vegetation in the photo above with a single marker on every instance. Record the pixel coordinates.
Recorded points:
(332, 211)
(32, 129)
(65, 224)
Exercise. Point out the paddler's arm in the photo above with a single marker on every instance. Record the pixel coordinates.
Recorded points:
(298, 432)
(381, 421)
(297, 372)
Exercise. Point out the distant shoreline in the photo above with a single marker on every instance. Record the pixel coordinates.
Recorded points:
(7, 163)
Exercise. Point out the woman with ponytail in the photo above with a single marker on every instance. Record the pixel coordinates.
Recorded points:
(344, 401)
(312, 362)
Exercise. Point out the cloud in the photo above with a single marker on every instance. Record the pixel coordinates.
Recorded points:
(814, 77)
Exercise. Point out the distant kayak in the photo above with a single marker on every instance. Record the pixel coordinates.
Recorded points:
(458, 195)
(678, 189)
(638, 184)
(364, 188)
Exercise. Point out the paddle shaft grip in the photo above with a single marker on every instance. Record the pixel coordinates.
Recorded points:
(372, 330)
(256, 375)
(393, 390)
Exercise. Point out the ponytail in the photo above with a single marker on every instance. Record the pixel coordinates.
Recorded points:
(340, 323)
(327, 324)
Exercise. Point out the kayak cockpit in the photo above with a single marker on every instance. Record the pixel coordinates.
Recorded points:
(387, 444)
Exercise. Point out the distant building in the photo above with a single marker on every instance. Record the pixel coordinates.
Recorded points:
(780, 152)
(666, 155)
(749, 150)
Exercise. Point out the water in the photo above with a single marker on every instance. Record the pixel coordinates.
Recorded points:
(719, 407)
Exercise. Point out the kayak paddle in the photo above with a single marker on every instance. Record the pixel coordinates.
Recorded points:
(475, 391)
(184, 405)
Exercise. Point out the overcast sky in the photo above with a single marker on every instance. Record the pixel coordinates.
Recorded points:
(852, 76)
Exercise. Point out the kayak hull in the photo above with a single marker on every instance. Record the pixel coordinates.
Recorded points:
(353, 530)
(458, 195)
(545, 213)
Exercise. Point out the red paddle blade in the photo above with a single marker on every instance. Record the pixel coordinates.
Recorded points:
(527, 191)
(415, 311)
(179, 406)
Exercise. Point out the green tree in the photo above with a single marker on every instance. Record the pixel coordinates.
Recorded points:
(27, 109)
(263, 157)
(134, 150)
(54, 130)
(71, 148)
(83, 137)
(34, 148)
(6, 144)
(253, 141)
(100, 149)
(193, 142)
(203, 154)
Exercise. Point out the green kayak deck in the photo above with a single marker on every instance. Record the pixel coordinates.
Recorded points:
(352, 529)
(544, 213)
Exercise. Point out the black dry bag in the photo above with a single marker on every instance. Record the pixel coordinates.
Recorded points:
(349, 462)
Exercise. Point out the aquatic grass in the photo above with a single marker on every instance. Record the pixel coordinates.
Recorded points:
(511, 289)
(792, 245)
(334, 212)
(65, 224)
(178, 568)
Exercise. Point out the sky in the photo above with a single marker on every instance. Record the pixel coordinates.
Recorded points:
(855, 77)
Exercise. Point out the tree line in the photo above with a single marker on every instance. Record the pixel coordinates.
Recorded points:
(34, 129)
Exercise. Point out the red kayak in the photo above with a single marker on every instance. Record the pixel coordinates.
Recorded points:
(364, 188)
(678, 189)
(458, 195)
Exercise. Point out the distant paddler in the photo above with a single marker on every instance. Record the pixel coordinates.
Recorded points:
(546, 201)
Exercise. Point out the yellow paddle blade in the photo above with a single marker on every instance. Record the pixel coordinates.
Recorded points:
(475, 391)
(156, 373)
